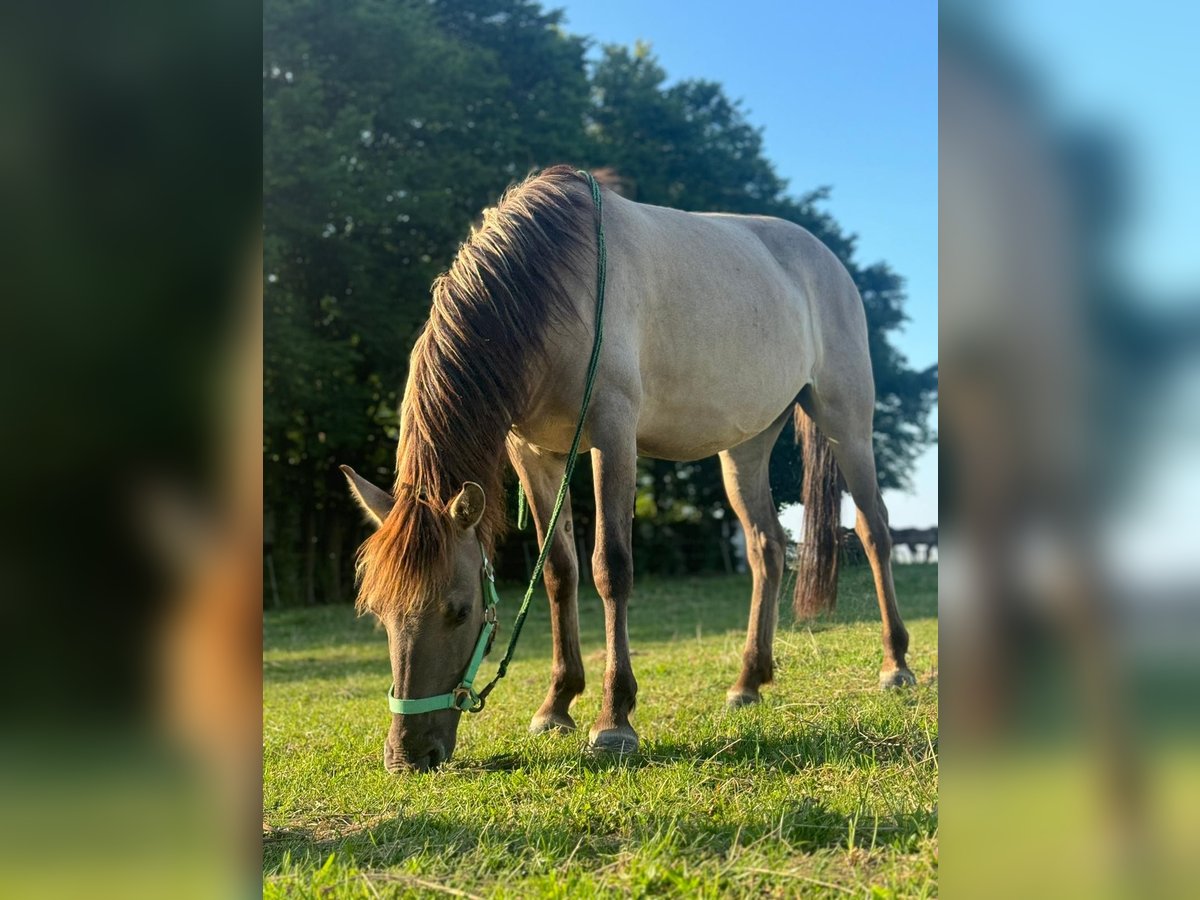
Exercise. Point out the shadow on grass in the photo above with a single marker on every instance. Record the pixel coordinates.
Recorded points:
(846, 743)
(662, 611)
(583, 833)
(665, 610)
(324, 668)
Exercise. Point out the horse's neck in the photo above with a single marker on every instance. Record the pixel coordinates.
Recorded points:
(460, 453)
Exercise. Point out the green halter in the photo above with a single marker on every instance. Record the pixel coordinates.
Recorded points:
(464, 698)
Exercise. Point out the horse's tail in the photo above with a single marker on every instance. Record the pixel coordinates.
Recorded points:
(821, 494)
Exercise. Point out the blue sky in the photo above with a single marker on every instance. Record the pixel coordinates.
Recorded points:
(847, 95)
(1135, 75)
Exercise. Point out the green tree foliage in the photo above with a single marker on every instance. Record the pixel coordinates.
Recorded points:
(387, 128)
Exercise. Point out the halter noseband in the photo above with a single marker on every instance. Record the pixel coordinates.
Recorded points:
(464, 698)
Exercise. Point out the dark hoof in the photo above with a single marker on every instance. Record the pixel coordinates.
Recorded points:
(736, 699)
(614, 740)
(896, 678)
(551, 723)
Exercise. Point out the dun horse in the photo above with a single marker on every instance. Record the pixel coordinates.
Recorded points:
(716, 329)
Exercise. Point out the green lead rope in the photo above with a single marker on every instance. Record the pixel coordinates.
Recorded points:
(593, 364)
(522, 508)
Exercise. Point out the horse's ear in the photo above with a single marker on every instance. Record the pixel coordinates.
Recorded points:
(375, 501)
(467, 508)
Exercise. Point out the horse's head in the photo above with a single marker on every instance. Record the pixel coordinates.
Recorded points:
(420, 574)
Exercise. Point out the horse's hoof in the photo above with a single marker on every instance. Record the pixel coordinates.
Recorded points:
(896, 678)
(736, 699)
(551, 723)
(613, 740)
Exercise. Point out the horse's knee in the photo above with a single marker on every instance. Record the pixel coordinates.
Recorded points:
(562, 571)
(612, 567)
(876, 536)
(881, 540)
(766, 553)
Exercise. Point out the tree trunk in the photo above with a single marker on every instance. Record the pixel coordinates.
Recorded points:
(337, 534)
(310, 558)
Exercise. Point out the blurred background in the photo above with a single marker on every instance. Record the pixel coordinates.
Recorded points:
(130, 493)
(1069, 296)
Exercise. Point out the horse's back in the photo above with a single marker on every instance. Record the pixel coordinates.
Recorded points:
(826, 286)
(746, 272)
(726, 316)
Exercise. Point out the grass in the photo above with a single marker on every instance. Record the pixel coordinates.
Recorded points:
(828, 788)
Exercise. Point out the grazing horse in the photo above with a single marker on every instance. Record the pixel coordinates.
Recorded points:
(912, 539)
(716, 329)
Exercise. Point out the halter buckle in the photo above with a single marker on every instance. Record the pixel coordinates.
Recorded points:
(466, 700)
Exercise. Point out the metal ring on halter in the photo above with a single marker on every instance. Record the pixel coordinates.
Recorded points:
(474, 703)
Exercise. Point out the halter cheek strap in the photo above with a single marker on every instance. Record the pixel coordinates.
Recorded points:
(464, 698)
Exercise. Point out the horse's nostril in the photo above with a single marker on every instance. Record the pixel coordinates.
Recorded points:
(397, 761)
(391, 759)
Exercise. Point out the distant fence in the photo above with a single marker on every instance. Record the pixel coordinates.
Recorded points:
(688, 549)
(909, 545)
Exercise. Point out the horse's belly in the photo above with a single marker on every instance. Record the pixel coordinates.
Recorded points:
(703, 436)
(692, 424)
(706, 389)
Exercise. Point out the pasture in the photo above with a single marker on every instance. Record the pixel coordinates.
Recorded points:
(828, 788)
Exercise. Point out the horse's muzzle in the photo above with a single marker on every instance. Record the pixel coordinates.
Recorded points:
(426, 756)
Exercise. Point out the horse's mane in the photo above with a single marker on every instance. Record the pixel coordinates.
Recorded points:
(468, 378)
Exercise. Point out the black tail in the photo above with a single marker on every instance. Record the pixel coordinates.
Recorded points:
(816, 581)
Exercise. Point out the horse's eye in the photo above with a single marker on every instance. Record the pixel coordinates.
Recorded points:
(460, 615)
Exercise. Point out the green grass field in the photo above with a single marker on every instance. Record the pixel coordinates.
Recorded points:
(828, 788)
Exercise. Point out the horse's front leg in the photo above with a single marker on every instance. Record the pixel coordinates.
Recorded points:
(540, 474)
(614, 466)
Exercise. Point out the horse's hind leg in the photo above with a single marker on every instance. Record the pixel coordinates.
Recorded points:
(540, 475)
(747, 484)
(849, 425)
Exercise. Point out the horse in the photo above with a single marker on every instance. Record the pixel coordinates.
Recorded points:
(717, 328)
(912, 539)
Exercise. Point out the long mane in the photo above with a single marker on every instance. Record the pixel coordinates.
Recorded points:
(468, 378)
